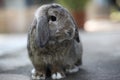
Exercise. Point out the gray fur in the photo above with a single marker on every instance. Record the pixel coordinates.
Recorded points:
(54, 44)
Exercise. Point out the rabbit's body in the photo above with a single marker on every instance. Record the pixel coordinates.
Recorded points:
(61, 53)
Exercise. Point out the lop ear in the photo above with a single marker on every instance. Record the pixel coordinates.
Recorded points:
(42, 31)
(77, 35)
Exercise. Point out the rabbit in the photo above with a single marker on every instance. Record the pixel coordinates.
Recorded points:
(54, 46)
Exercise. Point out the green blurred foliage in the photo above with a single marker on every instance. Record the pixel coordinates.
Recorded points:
(74, 5)
(43, 1)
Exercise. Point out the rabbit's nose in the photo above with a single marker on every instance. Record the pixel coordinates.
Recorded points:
(57, 31)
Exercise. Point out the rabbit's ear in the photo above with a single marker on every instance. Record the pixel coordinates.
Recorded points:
(42, 31)
(77, 35)
(76, 30)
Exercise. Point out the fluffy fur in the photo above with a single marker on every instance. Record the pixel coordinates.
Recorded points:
(53, 42)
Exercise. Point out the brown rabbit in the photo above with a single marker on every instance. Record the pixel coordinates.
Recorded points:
(53, 43)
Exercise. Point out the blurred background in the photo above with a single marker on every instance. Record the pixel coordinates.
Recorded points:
(94, 18)
(17, 15)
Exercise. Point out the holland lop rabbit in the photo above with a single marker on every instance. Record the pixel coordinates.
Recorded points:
(54, 45)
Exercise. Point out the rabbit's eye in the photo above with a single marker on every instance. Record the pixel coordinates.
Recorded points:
(52, 18)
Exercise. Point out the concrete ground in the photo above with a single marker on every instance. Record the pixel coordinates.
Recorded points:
(101, 58)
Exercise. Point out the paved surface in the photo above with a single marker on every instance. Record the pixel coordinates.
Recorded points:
(101, 59)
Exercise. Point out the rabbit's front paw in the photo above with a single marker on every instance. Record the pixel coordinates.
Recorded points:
(37, 76)
(73, 69)
(58, 75)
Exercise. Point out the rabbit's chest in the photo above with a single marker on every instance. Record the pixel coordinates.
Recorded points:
(57, 48)
(52, 53)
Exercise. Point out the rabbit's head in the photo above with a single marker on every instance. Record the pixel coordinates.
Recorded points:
(53, 22)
